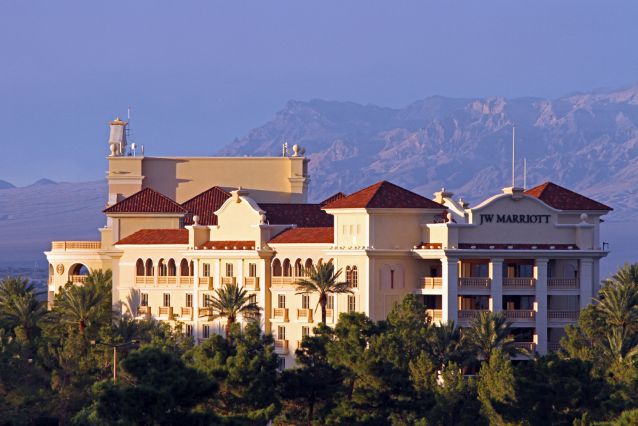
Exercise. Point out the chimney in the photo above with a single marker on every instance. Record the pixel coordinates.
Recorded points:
(117, 137)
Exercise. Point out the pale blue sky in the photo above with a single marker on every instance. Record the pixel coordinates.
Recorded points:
(199, 73)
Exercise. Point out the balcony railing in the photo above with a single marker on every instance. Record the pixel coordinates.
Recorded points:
(562, 283)
(469, 314)
(526, 346)
(432, 282)
(77, 279)
(144, 311)
(435, 314)
(281, 346)
(304, 315)
(283, 280)
(330, 314)
(142, 280)
(519, 282)
(474, 282)
(186, 312)
(229, 280)
(166, 311)
(553, 346)
(251, 283)
(280, 314)
(520, 314)
(162, 280)
(205, 282)
(206, 311)
(186, 280)
(562, 315)
(75, 245)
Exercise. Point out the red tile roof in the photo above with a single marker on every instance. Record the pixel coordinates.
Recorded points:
(204, 205)
(563, 199)
(384, 195)
(334, 197)
(305, 235)
(302, 215)
(157, 236)
(501, 246)
(228, 245)
(146, 201)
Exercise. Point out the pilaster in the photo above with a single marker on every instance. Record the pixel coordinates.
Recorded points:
(496, 286)
(450, 289)
(586, 274)
(540, 274)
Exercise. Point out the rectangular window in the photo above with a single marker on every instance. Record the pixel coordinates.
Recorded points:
(305, 301)
(252, 269)
(330, 302)
(352, 304)
(189, 330)
(305, 331)
(205, 331)
(189, 300)
(206, 269)
(144, 299)
(252, 298)
(208, 300)
(281, 301)
(281, 363)
(166, 299)
(281, 332)
(229, 270)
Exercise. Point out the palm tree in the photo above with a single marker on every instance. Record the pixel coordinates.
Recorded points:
(79, 305)
(16, 286)
(322, 279)
(445, 345)
(489, 331)
(23, 312)
(618, 302)
(230, 301)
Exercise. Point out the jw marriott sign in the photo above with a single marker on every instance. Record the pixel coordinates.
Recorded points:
(514, 218)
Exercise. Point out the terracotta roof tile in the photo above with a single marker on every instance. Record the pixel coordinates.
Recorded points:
(228, 245)
(305, 235)
(204, 205)
(157, 236)
(146, 201)
(302, 215)
(334, 197)
(563, 199)
(384, 195)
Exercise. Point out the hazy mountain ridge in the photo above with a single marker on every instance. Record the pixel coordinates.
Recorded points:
(585, 141)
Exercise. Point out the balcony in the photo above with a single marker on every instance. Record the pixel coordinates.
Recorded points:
(436, 315)
(304, 315)
(562, 316)
(562, 283)
(431, 283)
(205, 282)
(330, 314)
(251, 283)
(529, 347)
(518, 315)
(166, 312)
(474, 283)
(281, 346)
(77, 279)
(519, 283)
(186, 280)
(283, 281)
(280, 314)
(553, 346)
(186, 313)
(144, 280)
(162, 280)
(205, 312)
(229, 281)
(75, 245)
(144, 311)
(470, 314)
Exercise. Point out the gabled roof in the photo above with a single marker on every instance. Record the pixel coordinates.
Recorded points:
(334, 197)
(302, 215)
(146, 201)
(563, 199)
(157, 236)
(384, 195)
(205, 205)
(305, 235)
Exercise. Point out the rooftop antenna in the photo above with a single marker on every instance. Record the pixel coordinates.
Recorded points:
(128, 129)
(284, 149)
(513, 156)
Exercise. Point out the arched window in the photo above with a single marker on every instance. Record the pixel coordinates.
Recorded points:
(192, 270)
(162, 269)
(287, 268)
(276, 268)
(184, 269)
(149, 268)
(308, 267)
(298, 268)
(139, 267)
(172, 270)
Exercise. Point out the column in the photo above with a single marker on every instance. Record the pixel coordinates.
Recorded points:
(240, 273)
(264, 293)
(586, 274)
(496, 286)
(450, 289)
(540, 273)
(196, 331)
(217, 274)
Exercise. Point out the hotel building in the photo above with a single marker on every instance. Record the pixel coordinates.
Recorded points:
(177, 228)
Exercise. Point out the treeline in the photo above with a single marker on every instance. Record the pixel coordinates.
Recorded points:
(56, 367)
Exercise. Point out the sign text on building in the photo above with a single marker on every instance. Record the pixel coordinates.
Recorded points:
(514, 218)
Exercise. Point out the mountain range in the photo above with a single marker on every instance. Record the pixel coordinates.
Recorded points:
(584, 141)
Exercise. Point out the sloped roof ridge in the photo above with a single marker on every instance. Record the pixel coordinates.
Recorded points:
(564, 199)
(146, 200)
(212, 188)
(384, 194)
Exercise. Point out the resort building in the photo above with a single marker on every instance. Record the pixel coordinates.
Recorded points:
(179, 228)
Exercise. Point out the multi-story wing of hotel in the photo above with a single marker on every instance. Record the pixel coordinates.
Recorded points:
(179, 227)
